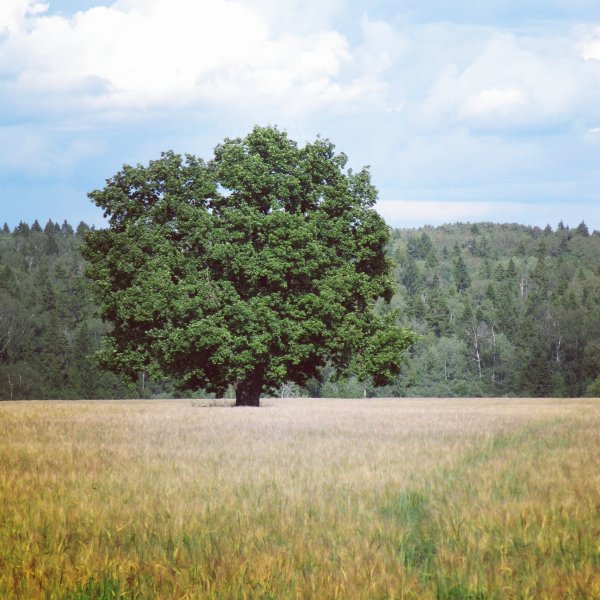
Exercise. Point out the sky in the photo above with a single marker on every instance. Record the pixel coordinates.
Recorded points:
(466, 111)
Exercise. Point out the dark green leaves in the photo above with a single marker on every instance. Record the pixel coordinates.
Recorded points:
(264, 262)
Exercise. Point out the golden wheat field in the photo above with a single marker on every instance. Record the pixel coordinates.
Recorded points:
(396, 498)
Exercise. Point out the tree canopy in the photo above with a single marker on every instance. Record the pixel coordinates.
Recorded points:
(255, 268)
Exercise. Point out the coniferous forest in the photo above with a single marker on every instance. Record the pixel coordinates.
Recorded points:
(501, 310)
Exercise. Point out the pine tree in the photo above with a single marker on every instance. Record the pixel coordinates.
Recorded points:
(511, 270)
(411, 277)
(536, 376)
(462, 278)
(50, 243)
(82, 228)
(437, 313)
(66, 229)
(83, 375)
(22, 229)
(582, 229)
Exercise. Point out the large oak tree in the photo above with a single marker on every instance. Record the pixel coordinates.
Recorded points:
(253, 269)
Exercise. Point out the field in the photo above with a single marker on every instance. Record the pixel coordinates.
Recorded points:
(458, 499)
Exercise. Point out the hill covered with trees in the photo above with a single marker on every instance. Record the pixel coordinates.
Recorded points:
(500, 310)
(48, 328)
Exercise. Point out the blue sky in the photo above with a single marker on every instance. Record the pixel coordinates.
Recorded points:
(465, 110)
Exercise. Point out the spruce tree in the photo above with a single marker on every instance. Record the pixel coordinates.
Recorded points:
(462, 278)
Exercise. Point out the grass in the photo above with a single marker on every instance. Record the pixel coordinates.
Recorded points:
(450, 499)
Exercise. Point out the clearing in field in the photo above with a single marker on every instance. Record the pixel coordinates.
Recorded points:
(476, 498)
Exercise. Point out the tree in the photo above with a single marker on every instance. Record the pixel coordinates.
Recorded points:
(462, 278)
(83, 373)
(254, 269)
(582, 229)
(437, 314)
(411, 277)
(22, 229)
(51, 245)
(593, 389)
(82, 228)
(536, 374)
(66, 228)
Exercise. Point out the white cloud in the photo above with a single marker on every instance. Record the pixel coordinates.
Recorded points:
(14, 12)
(591, 50)
(589, 46)
(382, 46)
(148, 53)
(510, 82)
(285, 58)
(494, 101)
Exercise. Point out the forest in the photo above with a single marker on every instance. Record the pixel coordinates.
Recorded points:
(500, 310)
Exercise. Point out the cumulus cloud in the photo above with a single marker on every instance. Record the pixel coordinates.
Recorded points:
(495, 101)
(14, 12)
(288, 58)
(589, 46)
(145, 53)
(510, 82)
(452, 101)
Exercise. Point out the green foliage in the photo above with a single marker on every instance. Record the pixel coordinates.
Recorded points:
(254, 269)
(528, 323)
(519, 310)
(593, 390)
(582, 229)
(461, 274)
(47, 326)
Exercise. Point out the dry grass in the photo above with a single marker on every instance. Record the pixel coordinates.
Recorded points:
(485, 498)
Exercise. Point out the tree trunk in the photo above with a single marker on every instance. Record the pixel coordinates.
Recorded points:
(247, 392)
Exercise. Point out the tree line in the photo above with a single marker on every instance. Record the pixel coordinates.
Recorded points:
(48, 324)
(500, 310)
